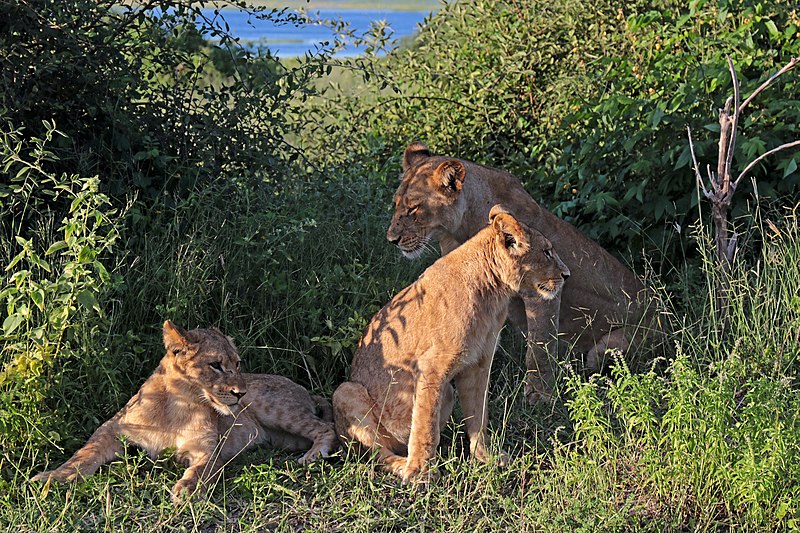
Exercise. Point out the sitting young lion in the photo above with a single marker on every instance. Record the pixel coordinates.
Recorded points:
(443, 327)
(198, 403)
(446, 200)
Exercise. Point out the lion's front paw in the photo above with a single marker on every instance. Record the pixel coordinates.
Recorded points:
(60, 475)
(418, 474)
(480, 454)
(318, 452)
(183, 490)
(42, 476)
(503, 459)
(536, 396)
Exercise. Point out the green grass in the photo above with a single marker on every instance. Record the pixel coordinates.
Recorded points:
(705, 438)
(704, 435)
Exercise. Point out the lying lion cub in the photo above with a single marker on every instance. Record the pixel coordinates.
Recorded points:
(198, 403)
(443, 327)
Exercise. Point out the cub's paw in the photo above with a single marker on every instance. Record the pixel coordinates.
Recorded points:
(62, 476)
(485, 457)
(503, 459)
(183, 490)
(539, 397)
(419, 475)
(318, 452)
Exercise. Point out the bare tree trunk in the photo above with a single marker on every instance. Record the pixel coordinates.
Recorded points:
(722, 186)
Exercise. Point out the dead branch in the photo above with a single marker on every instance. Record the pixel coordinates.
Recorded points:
(722, 186)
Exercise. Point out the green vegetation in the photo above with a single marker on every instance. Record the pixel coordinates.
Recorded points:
(149, 175)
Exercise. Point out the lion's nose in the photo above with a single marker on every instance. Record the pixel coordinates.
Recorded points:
(565, 275)
(238, 393)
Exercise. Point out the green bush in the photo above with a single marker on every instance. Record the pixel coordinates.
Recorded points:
(715, 438)
(588, 102)
(143, 99)
(58, 273)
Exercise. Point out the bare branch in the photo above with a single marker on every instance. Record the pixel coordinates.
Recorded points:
(723, 173)
(734, 120)
(789, 66)
(762, 156)
(696, 167)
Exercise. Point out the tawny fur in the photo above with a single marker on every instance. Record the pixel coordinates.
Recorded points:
(446, 200)
(442, 328)
(198, 403)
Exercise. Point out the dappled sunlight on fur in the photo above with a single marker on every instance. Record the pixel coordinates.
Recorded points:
(441, 330)
(198, 403)
(602, 305)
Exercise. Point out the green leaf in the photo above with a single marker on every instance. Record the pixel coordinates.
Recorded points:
(56, 246)
(38, 298)
(87, 299)
(791, 167)
(773, 30)
(17, 259)
(11, 323)
(85, 255)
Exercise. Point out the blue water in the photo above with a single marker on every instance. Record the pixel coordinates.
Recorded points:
(292, 41)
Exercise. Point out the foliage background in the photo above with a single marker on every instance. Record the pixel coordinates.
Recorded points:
(152, 173)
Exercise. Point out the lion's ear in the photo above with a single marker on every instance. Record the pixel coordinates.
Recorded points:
(175, 338)
(509, 230)
(415, 152)
(498, 209)
(450, 175)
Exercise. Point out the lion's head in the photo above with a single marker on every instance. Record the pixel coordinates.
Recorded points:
(208, 363)
(428, 202)
(526, 257)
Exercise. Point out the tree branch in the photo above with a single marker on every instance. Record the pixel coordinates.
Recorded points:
(762, 156)
(735, 119)
(696, 167)
(789, 66)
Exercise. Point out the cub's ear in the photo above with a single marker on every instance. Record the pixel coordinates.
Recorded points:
(175, 337)
(415, 152)
(508, 228)
(450, 176)
(233, 344)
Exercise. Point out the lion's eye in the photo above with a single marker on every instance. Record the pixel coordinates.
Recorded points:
(412, 210)
(548, 253)
(216, 366)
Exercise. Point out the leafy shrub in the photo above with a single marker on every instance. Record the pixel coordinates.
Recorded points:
(59, 270)
(142, 98)
(588, 102)
(715, 438)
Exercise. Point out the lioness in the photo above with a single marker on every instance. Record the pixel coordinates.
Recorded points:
(446, 200)
(443, 327)
(198, 403)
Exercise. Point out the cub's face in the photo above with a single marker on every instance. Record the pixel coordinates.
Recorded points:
(530, 262)
(542, 269)
(209, 362)
(427, 205)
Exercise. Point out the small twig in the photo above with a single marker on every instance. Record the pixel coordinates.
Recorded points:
(762, 156)
(700, 180)
(723, 172)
